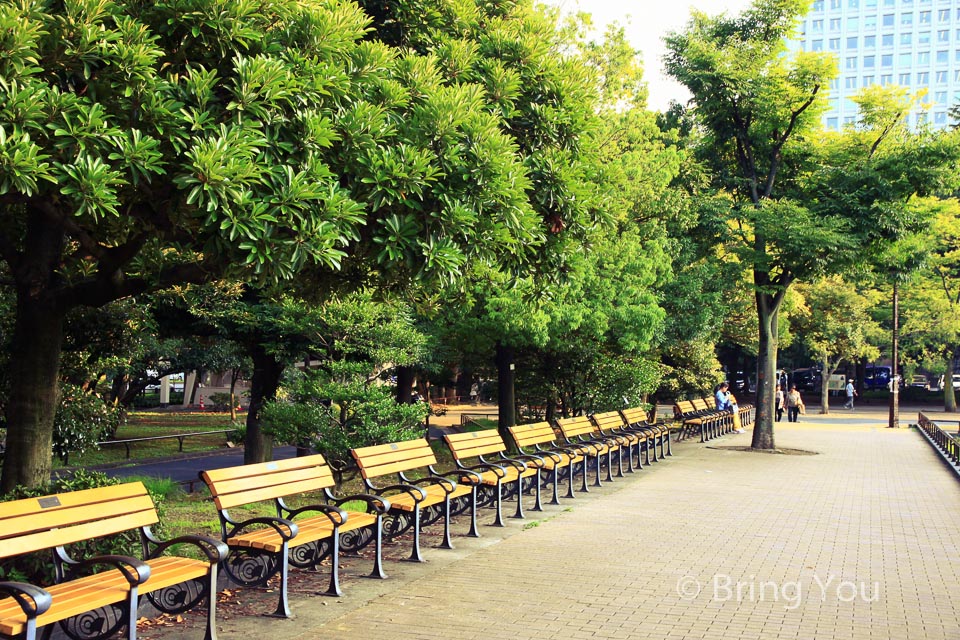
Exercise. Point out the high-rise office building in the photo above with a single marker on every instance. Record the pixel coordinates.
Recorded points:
(912, 43)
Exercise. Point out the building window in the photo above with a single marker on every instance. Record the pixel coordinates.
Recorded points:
(851, 63)
(834, 84)
(886, 79)
(869, 62)
(943, 57)
(816, 45)
(924, 17)
(832, 123)
(818, 5)
(834, 44)
(853, 4)
(943, 36)
(906, 39)
(849, 121)
(886, 40)
(956, 55)
(852, 43)
(943, 15)
(850, 82)
(923, 57)
(940, 97)
(888, 20)
(886, 60)
(923, 77)
(904, 79)
(816, 26)
(869, 42)
(941, 77)
(904, 59)
(940, 117)
(834, 4)
(834, 24)
(906, 19)
(923, 38)
(867, 81)
(956, 75)
(921, 119)
(870, 4)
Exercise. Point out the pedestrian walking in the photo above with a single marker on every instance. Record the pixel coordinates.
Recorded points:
(778, 402)
(851, 392)
(794, 404)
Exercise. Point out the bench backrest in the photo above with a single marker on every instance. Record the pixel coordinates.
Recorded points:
(572, 427)
(608, 420)
(683, 407)
(528, 435)
(235, 486)
(474, 443)
(384, 459)
(33, 524)
(700, 404)
(635, 415)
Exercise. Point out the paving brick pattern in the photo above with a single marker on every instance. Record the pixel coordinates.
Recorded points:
(859, 541)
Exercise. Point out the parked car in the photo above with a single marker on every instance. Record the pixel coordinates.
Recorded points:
(956, 381)
(919, 382)
(876, 378)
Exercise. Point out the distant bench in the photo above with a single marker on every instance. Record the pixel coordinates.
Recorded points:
(98, 604)
(415, 501)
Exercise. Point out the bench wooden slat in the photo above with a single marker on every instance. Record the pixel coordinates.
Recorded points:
(608, 420)
(99, 495)
(526, 435)
(579, 426)
(261, 468)
(67, 535)
(270, 492)
(475, 443)
(44, 520)
(380, 460)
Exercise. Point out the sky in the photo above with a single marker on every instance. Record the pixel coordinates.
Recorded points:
(646, 22)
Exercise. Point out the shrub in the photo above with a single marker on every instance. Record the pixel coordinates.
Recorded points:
(82, 420)
(339, 410)
(220, 401)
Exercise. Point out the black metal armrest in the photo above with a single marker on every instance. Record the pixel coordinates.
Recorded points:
(528, 457)
(33, 600)
(215, 550)
(499, 471)
(135, 571)
(378, 503)
(335, 514)
(286, 529)
(448, 485)
(516, 463)
(460, 472)
(416, 493)
(553, 455)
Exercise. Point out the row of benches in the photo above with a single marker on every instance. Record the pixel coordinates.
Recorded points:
(700, 416)
(254, 550)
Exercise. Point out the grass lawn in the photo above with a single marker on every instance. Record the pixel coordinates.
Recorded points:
(145, 424)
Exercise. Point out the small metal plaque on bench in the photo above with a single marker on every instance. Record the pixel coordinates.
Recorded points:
(46, 503)
(394, 447)
(271, 466)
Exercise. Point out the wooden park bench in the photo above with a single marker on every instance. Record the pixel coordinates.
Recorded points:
(541, 437)
(420, 501)
(700, 420)
(302, 536)
(580, 432)
(494, 474)
(89, 603)
(657, 433)
(611, 423)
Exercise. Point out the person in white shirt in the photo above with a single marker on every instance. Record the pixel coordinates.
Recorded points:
(851, 392)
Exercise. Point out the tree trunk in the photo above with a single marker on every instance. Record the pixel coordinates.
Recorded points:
(258, 447)
(233, 393)
(34, 371)
(404, 385)
(506, 398)
(894, 421)
(949, 395)
(825, 373)
(767, 312)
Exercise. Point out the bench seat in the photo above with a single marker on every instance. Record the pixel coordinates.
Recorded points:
(308, 530)
(540, 440)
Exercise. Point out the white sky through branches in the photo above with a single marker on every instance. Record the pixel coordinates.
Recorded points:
(646, 22)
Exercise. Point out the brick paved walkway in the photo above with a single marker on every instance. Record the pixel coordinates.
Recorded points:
(859, 541)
